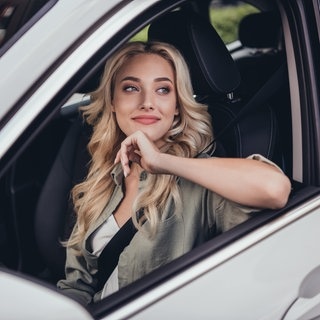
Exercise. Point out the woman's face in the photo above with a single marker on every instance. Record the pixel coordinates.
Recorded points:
(145, 97)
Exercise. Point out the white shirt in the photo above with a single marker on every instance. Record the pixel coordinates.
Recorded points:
(100, 239)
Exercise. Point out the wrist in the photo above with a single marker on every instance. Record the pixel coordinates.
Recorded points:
(163, 163)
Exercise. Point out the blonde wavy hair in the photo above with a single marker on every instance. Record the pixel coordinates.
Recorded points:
(190, 133)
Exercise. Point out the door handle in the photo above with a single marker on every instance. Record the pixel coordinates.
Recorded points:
(307, 305)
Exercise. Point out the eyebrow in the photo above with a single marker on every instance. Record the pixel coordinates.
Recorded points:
(138, 80)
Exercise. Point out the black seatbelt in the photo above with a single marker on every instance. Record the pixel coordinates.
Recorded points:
(109, 257)
(269, 88)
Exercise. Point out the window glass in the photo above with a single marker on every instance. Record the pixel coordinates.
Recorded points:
(226, 15)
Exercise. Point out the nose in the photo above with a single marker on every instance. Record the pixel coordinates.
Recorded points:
(146, 106)
(147, 101)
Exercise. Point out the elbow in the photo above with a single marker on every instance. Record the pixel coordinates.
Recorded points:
(278, 193)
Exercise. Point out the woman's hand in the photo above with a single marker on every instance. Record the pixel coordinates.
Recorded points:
(140, 149)
(246, 181)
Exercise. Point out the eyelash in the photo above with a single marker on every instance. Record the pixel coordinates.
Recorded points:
(130, 88)
(163, 90)
(166, 89)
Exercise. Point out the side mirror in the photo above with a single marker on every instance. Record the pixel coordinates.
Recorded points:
(21, 298)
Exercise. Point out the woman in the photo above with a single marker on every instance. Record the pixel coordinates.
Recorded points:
(148, 132)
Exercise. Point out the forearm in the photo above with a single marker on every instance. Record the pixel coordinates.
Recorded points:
(245, 181)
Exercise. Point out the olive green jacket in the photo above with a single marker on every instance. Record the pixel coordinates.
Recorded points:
(205, 214)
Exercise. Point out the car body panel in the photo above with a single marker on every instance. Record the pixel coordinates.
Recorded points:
(268, 265)
(43, 44)
(24, 299)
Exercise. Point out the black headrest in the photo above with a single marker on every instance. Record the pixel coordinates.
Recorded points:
(260, 30)
(211, 65)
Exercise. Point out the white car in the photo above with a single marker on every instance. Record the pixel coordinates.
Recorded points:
(263, 90)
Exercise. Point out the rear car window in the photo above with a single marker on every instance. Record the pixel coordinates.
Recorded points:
(225, 16)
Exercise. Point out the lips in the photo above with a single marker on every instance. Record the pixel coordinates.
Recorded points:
(146, 119)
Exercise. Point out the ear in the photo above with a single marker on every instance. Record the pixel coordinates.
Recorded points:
(112, 108)
(177, 112)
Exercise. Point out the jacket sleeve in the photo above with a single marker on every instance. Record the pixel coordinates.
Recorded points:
(80, 283)
(228, 214)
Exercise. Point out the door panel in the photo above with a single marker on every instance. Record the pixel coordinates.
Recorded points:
(259, 283)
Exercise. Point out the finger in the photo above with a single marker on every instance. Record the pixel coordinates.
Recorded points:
(117, 159)
(121, 157)
(124, 157)
(125, 166)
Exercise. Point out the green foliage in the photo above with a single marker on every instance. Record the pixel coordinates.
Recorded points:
(142, 35)
(226, 19)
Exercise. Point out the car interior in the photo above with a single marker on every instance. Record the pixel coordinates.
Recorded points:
(248, 97)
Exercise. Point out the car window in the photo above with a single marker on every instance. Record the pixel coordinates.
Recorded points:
(225, 16)
(15, 14)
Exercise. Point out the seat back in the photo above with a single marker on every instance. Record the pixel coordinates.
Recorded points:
(262, 54)
(212, 68)
(54, 217)
(216, 77)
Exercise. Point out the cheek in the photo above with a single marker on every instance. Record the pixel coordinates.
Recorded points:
(118, 96)
(122, 124)
(120, 106)
(170, 111)
(120, 118)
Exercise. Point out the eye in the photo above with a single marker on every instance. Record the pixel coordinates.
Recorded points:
(164, 90)
(130, 88)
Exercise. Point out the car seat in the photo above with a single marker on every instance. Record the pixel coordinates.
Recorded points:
(54, 216)
(262, 55)
(216, 80)
(262, 51)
